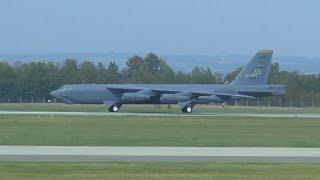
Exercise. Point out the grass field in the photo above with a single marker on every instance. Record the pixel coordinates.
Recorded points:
(152, 108)
(158, 171)
(158, 131)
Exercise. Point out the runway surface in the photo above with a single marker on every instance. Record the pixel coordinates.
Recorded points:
(158, 154)
(160, 114)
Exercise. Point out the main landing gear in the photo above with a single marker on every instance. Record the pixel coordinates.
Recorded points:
(187, 109)
(114, 108)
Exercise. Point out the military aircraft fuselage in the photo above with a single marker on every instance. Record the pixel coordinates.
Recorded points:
(251, 82)
(97, 93)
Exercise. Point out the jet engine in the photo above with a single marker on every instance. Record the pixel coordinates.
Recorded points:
(208, 99)
(173, 98)
(135, 97)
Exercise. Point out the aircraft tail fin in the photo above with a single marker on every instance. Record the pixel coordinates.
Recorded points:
(257, 71)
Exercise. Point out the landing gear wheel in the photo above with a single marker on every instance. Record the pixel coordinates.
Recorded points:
(114, 108)
(225, 105)
(187, 109)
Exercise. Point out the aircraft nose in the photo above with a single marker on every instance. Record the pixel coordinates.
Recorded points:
(54, 93)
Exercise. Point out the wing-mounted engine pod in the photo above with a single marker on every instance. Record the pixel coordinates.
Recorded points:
(173, 98)
(135, 97)
(208, 99)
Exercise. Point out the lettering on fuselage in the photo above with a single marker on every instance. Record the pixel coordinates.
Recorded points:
(256, 72)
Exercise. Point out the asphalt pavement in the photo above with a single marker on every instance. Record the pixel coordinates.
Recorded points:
(157, 154)
(270, 115)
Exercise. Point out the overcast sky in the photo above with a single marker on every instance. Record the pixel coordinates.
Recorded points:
(290, 27)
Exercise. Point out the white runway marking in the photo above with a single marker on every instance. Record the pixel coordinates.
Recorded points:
(270, 115)
(174, 154)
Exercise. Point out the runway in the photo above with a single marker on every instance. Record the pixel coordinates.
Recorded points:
(157, 154)
(269, 115)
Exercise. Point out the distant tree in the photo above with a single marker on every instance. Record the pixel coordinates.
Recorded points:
(232, 75)
(87, 72)
(7, 81)
(220, 78)
(165, 73)
(113, 73)
(134, 70)
(274, 73)
(151, 67)
(183, 78)
(295, 88)
(37, 79)
(200, 75)
(102, 74)
(69, 72)
(276, 76)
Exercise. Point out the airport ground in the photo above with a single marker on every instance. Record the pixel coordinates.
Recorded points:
(158, 131)
(152, 108)
(159, 171)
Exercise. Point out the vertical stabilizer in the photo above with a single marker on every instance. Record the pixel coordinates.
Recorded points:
(257, 71)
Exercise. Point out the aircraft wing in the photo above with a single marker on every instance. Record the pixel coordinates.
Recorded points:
(123, 89)
(193, 94)
(256, 92)
(155, 91)
(158, 92)
(232, 96)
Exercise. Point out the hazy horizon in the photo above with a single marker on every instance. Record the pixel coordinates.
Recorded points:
(208, 27)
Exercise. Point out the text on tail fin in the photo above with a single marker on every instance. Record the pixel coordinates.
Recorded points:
(257, 71)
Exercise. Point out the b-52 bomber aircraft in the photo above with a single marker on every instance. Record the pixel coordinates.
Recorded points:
(251, 82)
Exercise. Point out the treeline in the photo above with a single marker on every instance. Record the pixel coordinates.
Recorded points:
(300, 86)
(37, 79)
